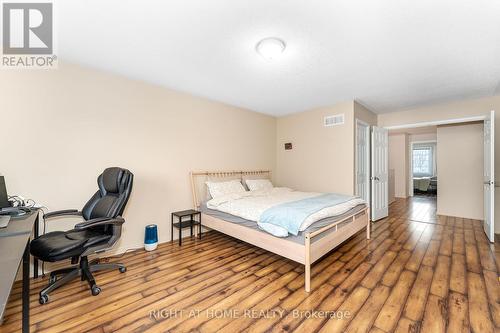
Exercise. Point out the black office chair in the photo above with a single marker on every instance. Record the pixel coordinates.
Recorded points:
(100, 231)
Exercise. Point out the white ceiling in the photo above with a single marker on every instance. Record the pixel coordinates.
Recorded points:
(386, 54)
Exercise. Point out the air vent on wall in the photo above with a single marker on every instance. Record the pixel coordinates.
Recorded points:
(334, 120)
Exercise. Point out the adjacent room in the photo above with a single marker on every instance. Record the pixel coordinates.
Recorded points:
(413, 169)
(423, 165)
(264, 166)
(456, 152)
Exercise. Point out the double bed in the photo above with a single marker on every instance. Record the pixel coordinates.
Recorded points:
(315, 237)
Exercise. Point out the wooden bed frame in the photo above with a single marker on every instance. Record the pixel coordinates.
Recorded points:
(305, 254)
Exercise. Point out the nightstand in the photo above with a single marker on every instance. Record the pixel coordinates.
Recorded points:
(186, 218)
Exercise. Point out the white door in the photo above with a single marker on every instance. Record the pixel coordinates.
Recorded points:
(380, 173)
(363, 160)
(489, 176)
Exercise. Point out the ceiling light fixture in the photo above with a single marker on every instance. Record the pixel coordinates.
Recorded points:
(270, 48)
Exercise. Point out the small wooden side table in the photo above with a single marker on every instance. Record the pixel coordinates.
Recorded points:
(183, 222)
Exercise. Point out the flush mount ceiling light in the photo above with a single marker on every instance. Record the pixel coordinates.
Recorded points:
(270, 48)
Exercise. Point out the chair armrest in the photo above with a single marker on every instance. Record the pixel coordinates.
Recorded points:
(65, 212)
(100, 221)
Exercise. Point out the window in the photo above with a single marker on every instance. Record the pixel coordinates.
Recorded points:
(423, 160)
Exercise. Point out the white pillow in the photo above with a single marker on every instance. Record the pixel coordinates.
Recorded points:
(219, 189)
(259, 184)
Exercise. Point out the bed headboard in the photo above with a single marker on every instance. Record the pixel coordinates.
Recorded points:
(198, 179)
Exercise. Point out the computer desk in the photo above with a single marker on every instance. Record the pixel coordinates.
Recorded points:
(14, 250)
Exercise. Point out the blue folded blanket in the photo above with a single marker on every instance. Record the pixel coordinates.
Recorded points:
(291, 215)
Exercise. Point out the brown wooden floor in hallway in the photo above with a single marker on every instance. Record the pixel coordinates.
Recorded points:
(410, 277)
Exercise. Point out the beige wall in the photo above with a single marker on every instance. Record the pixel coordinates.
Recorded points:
(322, 158)
(392, 186)
(362, 113)
(398, 161)
(458, 109)
(63, 127)
(460, 170)
(422, 137)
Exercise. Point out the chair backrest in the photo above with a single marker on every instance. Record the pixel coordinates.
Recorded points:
(115, 186)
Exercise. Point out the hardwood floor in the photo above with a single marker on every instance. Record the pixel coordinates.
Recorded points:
(421, 209)
(418, 273)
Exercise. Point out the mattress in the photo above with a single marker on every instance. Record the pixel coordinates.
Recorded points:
(300, 238)
(267, 205)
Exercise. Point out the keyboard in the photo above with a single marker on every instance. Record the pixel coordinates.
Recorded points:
(4, 221)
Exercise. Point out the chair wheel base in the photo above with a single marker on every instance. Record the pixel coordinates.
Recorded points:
(43, 299)
(96, 290)
(122, 269)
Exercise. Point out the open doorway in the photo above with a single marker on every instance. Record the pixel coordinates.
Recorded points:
(446, 164)
(413, 170)
(463, 157)
(413, 162)
(423, 169)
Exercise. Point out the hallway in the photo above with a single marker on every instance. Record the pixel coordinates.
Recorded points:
(423, 209)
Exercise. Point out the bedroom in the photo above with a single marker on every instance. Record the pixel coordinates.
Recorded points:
(200, 98)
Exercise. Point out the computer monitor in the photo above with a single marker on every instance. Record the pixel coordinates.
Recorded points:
(4, 199)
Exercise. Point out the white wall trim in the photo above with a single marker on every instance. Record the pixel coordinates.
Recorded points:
(425, 141)
(438, 122)
(362, 122)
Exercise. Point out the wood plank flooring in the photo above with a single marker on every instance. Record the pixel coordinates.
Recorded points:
(418, 273)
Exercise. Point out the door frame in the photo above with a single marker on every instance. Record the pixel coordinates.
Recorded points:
(445, 122)
(367, 159)
(373, 187)
(410, 164)
(437, 122)
(426, 124)
(490, 191)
